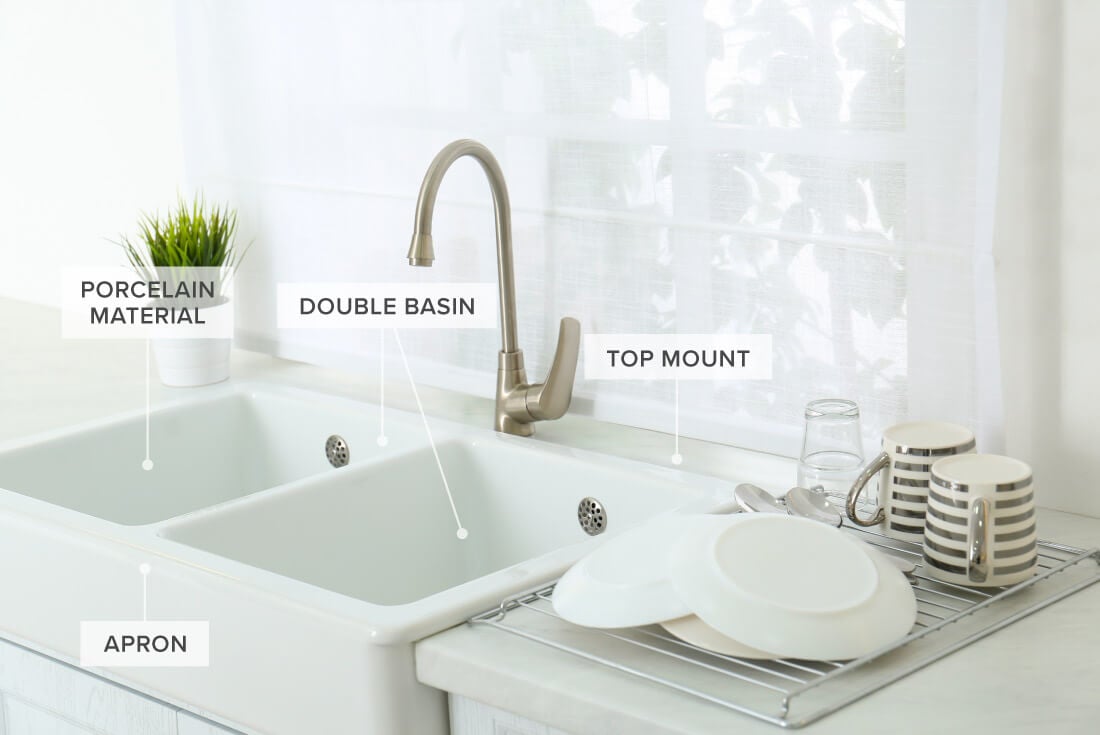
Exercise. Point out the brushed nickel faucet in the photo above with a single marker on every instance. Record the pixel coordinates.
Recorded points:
(519, 404)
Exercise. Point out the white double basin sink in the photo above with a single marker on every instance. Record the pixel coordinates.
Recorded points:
(316, 580)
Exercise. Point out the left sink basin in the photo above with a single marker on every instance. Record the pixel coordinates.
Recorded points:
(237, 441)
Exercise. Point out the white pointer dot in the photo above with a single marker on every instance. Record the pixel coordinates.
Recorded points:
(677, 458)
(147, 465)
(144, 568)
(383, 441)
(462, 533)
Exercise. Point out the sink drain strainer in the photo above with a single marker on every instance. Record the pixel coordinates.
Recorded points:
(591, 516)
(336, 449)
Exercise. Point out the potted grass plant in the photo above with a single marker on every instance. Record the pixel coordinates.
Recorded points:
(192, 238)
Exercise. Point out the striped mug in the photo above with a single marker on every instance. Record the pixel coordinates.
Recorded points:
(980, 529)
(908, 451)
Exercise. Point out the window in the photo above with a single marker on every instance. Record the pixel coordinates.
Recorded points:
(813, 169)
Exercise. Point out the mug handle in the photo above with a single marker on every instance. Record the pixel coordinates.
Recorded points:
(878, 464)
(978, 532)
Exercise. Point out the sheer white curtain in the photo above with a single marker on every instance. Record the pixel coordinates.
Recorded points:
(819, 170)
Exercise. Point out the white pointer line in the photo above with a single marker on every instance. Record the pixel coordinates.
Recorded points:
(677, 458)
(147, 464)
(382, 440)
(144, 569)
(462, 532)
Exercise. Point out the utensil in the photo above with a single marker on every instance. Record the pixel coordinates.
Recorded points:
(806, 503)
(980, 529)
(792, 586)
(798, 501)
(625, 581)
(832, 446)
(754, 499)
(813, 505)
(908, 451)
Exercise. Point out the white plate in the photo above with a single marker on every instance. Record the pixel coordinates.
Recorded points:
(691, 629)
(792, 586)
(625, 581)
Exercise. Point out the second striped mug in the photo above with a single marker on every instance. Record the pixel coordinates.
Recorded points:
(980, 529)
(908, 452)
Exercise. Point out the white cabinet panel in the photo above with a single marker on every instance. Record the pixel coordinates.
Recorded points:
(23, 718)
(474, 718)
(48, 696)
(78, 697)
(191, 725)
(42, 696)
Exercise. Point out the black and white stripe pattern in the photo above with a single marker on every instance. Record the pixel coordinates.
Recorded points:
(1014, 537)
(903, 492)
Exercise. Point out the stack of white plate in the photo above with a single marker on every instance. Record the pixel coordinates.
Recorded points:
(749, 585)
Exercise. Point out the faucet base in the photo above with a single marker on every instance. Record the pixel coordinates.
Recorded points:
(508, 425)
(511, 408)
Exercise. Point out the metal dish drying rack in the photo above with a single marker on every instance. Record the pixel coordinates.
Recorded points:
(795, 693)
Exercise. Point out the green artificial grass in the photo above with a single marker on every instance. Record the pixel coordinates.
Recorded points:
(192, 235)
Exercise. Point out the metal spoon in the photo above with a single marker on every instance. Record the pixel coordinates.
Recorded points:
(813, 505)
(797, 502)
(753, 499)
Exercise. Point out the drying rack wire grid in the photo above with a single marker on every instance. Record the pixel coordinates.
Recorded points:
(792, 693)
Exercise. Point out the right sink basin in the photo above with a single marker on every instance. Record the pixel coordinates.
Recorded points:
(387, 534)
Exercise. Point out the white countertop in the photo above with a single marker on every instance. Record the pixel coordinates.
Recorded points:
(1040, 673)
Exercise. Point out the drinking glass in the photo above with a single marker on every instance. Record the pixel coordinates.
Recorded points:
(832, 447)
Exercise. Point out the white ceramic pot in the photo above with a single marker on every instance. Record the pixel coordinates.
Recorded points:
(185, 363)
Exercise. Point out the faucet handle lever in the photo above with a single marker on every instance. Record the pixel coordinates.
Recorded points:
(550, 399)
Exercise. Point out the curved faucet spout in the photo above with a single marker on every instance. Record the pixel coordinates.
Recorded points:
(519, 404)
(422, 250)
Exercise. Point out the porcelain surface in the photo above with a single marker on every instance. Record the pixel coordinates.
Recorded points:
(516, 503)
(208, 450)
(300, 567)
